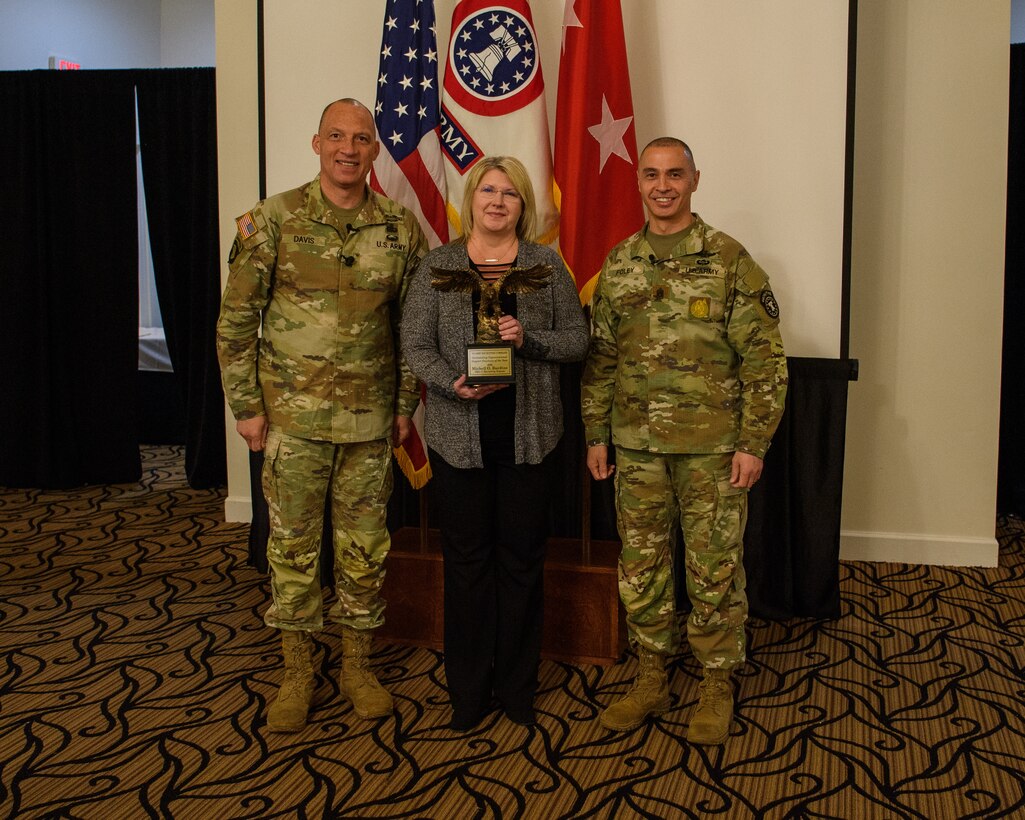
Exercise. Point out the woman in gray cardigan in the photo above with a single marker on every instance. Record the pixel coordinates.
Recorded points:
(490, 445)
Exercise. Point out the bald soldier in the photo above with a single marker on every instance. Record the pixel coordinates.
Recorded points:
(323, 270)
(686, 377)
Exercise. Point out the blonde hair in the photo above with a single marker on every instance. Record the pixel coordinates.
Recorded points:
(512, 168)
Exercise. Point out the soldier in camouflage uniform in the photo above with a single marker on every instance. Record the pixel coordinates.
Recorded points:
(686, 376)
(322, 270)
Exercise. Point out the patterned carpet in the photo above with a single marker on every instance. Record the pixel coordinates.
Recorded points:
(136, 674)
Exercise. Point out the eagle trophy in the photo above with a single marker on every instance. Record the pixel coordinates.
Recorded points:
(515, 280)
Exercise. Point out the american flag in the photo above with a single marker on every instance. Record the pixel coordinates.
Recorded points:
(410, 169)
(245, 225)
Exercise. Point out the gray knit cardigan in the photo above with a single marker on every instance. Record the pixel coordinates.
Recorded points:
(436, 327)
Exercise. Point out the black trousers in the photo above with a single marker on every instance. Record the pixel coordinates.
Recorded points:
(494, 525)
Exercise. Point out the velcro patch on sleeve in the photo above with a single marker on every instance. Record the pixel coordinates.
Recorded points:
(769, 303)
(246, 225)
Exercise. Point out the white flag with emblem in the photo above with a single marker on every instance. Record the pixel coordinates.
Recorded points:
(494, 102)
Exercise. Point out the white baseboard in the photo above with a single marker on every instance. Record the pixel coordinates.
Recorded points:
(918, 548)
(896, 547)
(238, 508)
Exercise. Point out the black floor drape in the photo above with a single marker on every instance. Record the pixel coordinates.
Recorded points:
(178, 135)
(69, 310)
(1010, 477)
(68, 279)
(792, 543)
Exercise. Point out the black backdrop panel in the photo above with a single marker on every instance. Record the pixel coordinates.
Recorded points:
(1010, 478)
(69, 279)
(69, 273)
(792, 544)
(178, 133)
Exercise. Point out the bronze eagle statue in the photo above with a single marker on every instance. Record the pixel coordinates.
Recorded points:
(514, 280)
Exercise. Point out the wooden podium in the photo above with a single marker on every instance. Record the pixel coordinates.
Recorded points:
(583, 620)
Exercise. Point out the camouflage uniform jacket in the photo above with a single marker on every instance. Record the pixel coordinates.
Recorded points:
(686, 354)
(326, 366)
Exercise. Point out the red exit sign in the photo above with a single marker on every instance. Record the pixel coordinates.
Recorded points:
(64, 64)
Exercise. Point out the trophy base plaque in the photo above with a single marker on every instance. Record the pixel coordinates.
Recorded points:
(490, 363)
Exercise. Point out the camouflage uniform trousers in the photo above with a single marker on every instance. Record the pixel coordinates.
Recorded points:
(651, 489)
(297, 476)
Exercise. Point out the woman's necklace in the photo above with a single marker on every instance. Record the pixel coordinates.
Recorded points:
(483, 255)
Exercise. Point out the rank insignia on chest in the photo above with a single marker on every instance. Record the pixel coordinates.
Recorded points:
(769, 303)
(699, 307)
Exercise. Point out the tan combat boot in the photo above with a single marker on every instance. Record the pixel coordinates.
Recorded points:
(358, 683)
(289, 710)
(649, 695)
(712, 717)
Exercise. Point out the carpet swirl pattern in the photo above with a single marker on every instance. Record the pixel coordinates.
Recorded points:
(136, 674)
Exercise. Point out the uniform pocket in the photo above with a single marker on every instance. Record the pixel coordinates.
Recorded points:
(384, 456)
(730, 513)
(268, 474)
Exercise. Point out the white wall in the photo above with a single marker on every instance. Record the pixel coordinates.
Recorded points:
(237, 180)
(187, 33)
(95, 33)
(106, 33)
(927, 273)
(768, 134)
(927, 281)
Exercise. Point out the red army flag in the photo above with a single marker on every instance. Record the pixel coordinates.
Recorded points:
(494, 101)
(595, 142)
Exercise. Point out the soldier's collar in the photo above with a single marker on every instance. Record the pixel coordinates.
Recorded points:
(371, 214)
(692, 243)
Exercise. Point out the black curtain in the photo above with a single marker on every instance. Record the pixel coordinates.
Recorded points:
(68, 278)
(178, 135)
(792, 542)
(69, 312)
(1010, 478)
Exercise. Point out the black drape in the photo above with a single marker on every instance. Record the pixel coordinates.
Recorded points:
(68, 279)
(178, 135)
(1010, 477)
(792, 542)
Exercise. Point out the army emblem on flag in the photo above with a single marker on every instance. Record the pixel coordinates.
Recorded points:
(493, 62)
(494, 101)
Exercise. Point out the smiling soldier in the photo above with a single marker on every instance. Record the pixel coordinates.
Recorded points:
(323, 270)
(686, 376)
